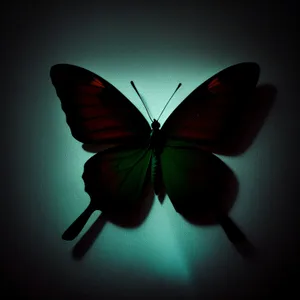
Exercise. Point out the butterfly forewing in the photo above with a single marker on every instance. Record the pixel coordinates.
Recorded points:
(95, 110)
(206, 116)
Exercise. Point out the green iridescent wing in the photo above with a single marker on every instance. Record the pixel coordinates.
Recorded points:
(98, 114)
(200, 186)
(115, 180)
(203, 189)
(204, 123)
(197, 182)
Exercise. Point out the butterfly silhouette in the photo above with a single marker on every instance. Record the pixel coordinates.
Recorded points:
(176, 157)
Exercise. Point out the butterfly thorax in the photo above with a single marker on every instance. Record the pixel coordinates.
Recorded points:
(156, 144)
(156, 138)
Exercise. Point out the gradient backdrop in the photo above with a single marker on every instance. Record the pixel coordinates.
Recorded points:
(158, 45)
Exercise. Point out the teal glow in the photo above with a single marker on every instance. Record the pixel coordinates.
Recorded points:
(157, 45)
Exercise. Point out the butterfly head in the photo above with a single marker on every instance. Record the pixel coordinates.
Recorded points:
(155, 125)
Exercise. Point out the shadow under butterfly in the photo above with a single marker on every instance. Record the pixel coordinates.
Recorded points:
(134, 161)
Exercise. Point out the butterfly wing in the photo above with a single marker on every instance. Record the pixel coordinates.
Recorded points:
(96, 111)
(207, 115)
(203, 190)
(115, 178)
(197, 182)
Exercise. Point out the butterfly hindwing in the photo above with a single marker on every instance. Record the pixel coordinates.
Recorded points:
(115, 178)
(208, 112)
(96, 111)
(196, 181)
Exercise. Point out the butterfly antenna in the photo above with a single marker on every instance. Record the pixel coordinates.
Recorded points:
(179, 85)
(133, 85)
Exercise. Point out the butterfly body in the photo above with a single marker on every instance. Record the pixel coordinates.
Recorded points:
(178, 154)
(157, 143)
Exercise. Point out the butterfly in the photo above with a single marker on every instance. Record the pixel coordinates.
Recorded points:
(177, 156)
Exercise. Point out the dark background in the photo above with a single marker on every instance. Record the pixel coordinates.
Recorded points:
(156, 44)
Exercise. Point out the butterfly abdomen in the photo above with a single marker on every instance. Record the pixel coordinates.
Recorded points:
(156, 175)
